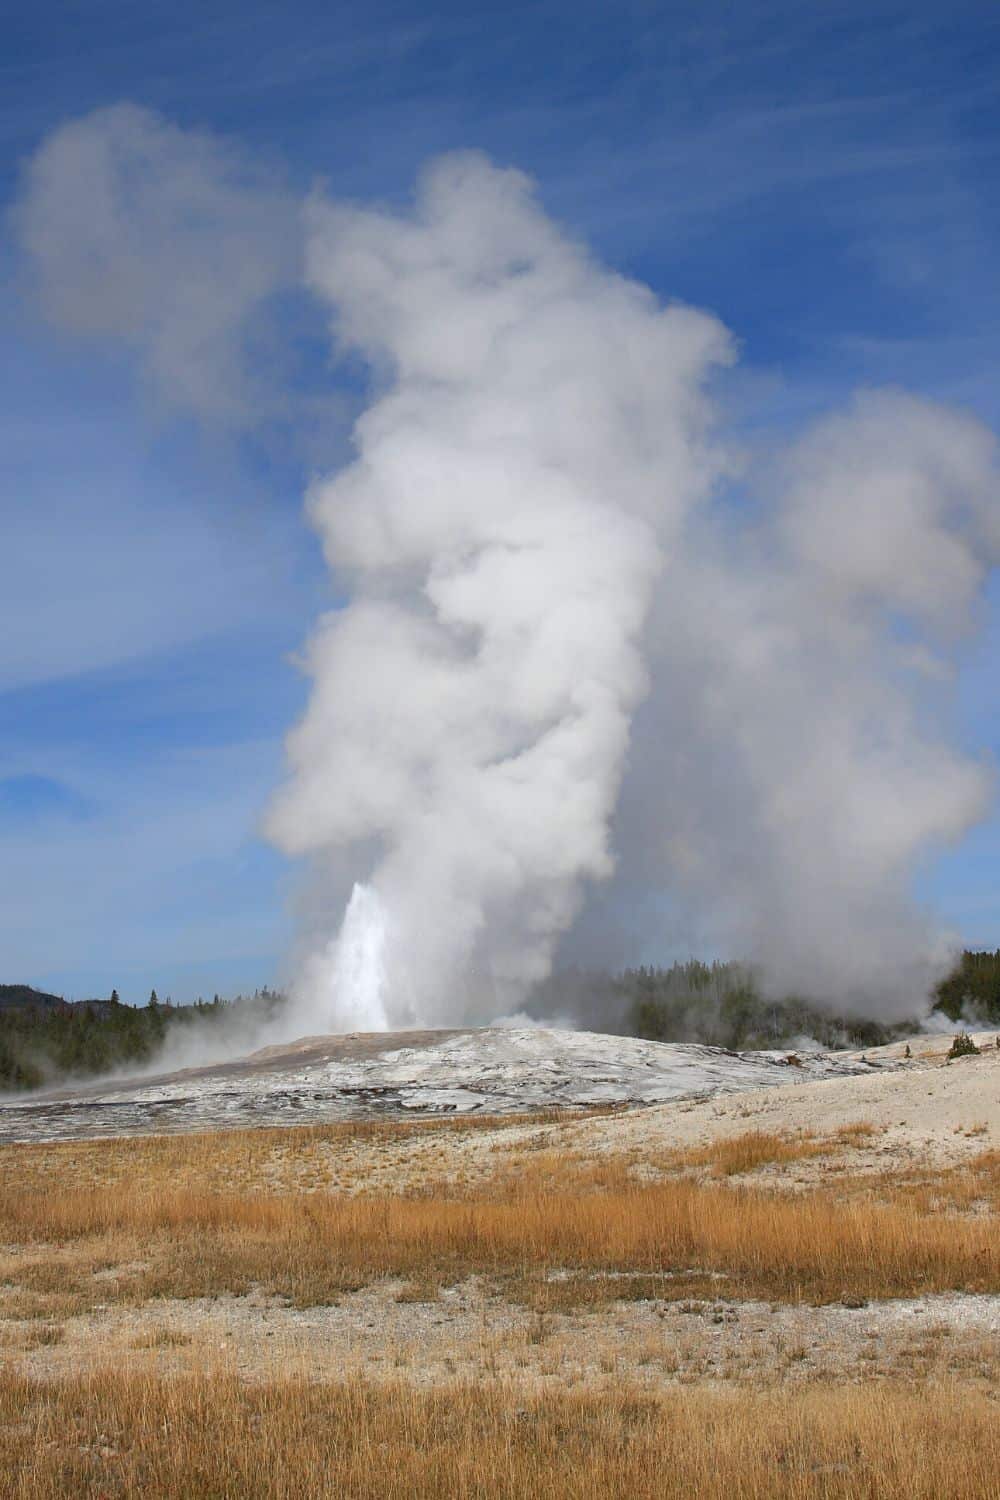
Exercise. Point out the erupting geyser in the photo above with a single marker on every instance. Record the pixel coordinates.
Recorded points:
(597, 672)
(535, 546)
(347, 979)
(535, 449)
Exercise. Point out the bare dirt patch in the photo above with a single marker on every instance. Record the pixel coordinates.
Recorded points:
(468, 1333)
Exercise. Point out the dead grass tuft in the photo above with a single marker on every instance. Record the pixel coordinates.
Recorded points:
(36, 1336)
(855, 1133)
(751, 1150)
(162, 1338)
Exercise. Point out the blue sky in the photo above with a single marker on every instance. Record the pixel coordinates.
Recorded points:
(823, 177)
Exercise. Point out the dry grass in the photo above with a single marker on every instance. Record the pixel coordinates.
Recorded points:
(30, 1336)
(855, 1134)
(370, 1158)
(340, 1157)
(162, 1338)
(540, 1224)
(186, 1217)
(750, 1151)
(68, 1250)
(112, 1435)
(972, 1188)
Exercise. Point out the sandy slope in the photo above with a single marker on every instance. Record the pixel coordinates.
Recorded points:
(926, 1109)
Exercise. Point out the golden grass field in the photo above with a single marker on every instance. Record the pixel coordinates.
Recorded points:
(108, 1387)
(145, 1210)
(211, 1435)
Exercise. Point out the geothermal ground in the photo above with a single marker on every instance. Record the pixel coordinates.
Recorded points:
(496, 1071)
(499, 1257)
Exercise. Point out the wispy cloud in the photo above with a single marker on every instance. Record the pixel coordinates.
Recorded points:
(171, 241)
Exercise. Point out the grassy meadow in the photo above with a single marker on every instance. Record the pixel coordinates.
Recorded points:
(303, 1218)
(120, 1435)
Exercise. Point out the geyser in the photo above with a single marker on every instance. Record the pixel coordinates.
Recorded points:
(347, 978)
(594, 674)
(537, 442)
(533, 546)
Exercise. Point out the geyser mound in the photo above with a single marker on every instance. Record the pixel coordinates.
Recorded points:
(486, 1071)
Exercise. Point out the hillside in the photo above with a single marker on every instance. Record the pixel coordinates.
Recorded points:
(24, 997)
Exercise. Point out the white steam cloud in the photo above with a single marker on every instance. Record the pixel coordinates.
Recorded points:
(172, 242)
(540, 440)
(792, 770)
(579, 674)
(532, 538)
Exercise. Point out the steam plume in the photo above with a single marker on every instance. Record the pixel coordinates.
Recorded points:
(170, 241)
(792, 770)
(581, 684)
(537, 446)
(531, 541)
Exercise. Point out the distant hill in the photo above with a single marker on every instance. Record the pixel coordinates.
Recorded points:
(101, 1008)
(24, 997)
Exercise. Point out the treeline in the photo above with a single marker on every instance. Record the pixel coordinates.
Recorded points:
(45, 1039)
(971, 991)
(721, 1005)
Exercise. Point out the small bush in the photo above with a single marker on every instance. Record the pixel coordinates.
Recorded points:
(963, 1046)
